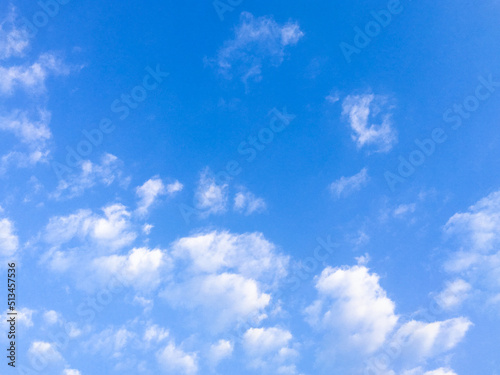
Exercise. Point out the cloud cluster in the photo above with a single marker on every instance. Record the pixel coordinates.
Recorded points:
(257, 41)
(106, 232)
(29, 77)
(225, 275)
(33, 134)
(476, 259)
(355, 315)
(106, 172)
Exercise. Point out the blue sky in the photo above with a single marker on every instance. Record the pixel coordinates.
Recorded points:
(251, 187)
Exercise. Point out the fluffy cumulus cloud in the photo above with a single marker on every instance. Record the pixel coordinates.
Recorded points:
(347, 185)
(247, 203)
(151, 190)
(257, 42)
(220, 350)
(476, 237)
(422, 340)
(173, 360)
(44, 352)
(33, 134)
(110, 231)
(210, 196)
(9, 241)
(354, 305)
(90, 174)
(354, 314)
(362, 113)
(227, 275)
(269, 350)
(141, 268)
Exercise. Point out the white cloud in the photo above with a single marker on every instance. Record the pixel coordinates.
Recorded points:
(424, 340)
(24, 317)
(226, 275)
(111, 231)
(141, 268)
(147, 304)
(361, 111)
(51, 317)
(31, 77)
(454, 294)
(110, 342)
(354, 306)
(155, 333)
(151, 190)
(247, 203)
(476, 234)
(249, 254)
(332, 97)
(347, 185)
(439, 371)
(44, 352)
(148, 192)
(257, 41)
(404, 209)
(269, 350)
(225, 298)
(219, 351)
(146, 228)
(71, 372)
(9, 241)
(34, 136)
(174, 187)
(479, 227)
(355, 315)
(13, 41)
(174, 360)
(258, 341)
(105, 173)
(210, 197)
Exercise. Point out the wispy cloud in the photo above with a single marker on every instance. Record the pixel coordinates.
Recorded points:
(13, 40)
(347, 185)
(247, 203)
(105, 173)
(256, 42)
(33, 134)
(31, 77)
